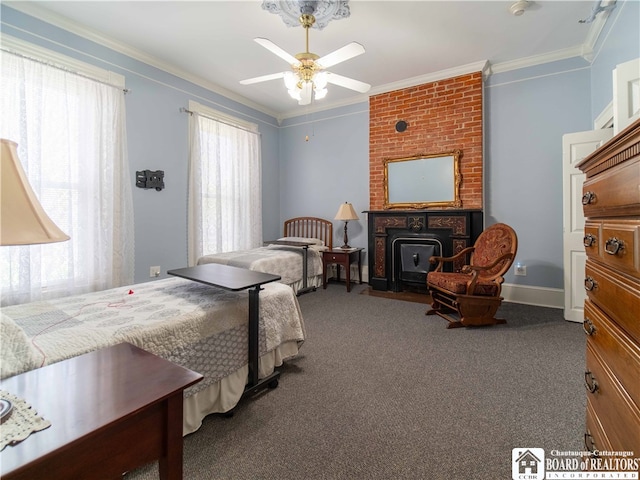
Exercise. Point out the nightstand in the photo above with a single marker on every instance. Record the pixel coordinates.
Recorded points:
(342, 257)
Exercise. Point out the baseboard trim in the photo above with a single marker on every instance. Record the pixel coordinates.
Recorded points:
(538, 296)
(528, 295)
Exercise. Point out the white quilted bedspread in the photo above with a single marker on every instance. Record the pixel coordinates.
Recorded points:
(200, 327)
(274, 259)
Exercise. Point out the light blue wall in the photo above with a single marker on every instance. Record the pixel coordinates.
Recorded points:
(158, 140)
(618, 43)
(526, 113)
(331, 168)
(523, 161)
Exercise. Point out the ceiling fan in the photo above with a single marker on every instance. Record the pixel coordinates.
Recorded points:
(308, 76)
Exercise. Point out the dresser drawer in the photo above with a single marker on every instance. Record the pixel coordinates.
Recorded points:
(614, 192)
(617, 414)
(591, 240)
(619, 245)
(615, 348)
(616, 294)
(595, 438)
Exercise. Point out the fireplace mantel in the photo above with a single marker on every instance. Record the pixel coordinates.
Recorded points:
(454, 229)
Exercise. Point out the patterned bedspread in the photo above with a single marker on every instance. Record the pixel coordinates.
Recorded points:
(275, 259)
(197, 326)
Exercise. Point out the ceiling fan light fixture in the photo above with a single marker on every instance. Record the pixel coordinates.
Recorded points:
(320, 80)
(319, 93)
(295, 94)
(290, 80)
(308, 79)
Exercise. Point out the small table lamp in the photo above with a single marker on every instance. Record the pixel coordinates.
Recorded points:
(23, 221)
(346, 213)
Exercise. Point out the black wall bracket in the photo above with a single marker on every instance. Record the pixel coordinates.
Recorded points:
(149, 179)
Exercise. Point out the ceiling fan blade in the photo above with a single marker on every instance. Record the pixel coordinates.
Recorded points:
(345, 53)
(305, 94)
(263, 78)
(273, 48)
(347, 82)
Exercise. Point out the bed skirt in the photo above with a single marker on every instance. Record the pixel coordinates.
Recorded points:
(225, 394)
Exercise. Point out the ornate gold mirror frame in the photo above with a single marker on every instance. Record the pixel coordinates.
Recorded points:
(423, 181)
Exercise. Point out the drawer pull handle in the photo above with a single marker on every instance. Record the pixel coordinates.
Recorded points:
(590, 382)
(588, 198)
(590, 284)
(588, 327)
(590, 444)
(612, 246)
(589, 240)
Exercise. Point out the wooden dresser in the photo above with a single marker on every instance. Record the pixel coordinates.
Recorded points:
(611, 201)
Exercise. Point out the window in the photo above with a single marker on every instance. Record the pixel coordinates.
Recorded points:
(225, 198)
(70, 132)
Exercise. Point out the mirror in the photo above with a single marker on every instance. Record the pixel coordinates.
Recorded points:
(423, 181)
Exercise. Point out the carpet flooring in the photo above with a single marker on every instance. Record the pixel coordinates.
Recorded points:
(381, 391)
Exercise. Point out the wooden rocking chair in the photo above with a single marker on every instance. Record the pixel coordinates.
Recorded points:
(474, 292)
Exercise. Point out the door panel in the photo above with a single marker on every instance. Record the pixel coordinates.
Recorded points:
(575, 147)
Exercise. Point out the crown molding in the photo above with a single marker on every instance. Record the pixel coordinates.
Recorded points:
(480, 66)
(50, 57)
(534, 60)
(585, 51)
(597, 25)
(78, 29)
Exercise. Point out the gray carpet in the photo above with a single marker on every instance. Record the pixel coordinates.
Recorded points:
(381, 391)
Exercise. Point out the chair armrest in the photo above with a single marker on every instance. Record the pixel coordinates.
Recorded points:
(442, 260)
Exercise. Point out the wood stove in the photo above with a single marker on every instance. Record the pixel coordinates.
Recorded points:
(410, 261)
(401, 242)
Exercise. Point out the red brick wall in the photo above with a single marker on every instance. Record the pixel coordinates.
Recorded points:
(443, 116)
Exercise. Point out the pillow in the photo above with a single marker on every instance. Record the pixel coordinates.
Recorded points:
(314, 241)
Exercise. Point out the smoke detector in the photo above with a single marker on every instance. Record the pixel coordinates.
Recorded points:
(519, 7)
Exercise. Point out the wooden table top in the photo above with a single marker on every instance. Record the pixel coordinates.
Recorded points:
(84, 394)
(224, 276)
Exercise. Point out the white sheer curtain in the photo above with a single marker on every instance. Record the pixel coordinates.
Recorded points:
(70, 132)
(225, 201)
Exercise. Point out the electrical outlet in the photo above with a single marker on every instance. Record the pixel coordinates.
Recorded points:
(520, 270)
(154, 272)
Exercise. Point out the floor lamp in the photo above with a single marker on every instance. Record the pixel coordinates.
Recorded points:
(346, 213)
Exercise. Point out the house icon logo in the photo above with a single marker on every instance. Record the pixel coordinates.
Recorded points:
(527, 464)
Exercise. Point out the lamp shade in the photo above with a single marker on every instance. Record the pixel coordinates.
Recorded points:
(23, 221)
(346, 212)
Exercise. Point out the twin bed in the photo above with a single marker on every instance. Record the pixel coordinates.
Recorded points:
(198, 326)
(286, 260)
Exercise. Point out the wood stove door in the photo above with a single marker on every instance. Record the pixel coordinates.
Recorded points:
(413, 262)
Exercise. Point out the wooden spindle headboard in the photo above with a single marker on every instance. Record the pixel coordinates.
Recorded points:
(310, 227)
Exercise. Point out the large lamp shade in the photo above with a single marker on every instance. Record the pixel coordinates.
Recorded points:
(23, 221)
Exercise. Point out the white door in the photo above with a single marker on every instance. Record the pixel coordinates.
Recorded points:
(575, 147)
(626, 94)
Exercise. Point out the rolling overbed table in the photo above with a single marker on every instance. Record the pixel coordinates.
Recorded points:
(305, 253)
(111, 410)
(236, 279)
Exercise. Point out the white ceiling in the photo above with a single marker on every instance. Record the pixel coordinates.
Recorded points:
(406, 42)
